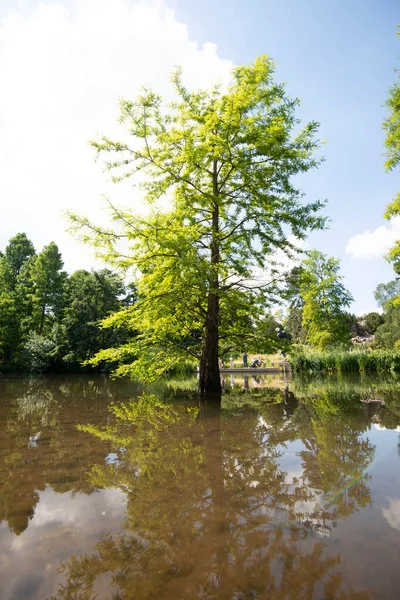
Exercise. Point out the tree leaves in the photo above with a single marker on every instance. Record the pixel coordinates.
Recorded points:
(324, 297)
(225, 160)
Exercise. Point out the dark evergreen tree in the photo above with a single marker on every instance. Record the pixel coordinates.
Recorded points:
(89, 297)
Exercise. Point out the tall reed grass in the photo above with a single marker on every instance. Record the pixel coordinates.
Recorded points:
(336, 361)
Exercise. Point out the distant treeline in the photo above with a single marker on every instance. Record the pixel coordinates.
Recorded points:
(49, 320)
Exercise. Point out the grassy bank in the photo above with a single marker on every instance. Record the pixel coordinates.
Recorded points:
(377, 361)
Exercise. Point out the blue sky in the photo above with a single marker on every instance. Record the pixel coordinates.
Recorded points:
(338, 57)
(64, 63)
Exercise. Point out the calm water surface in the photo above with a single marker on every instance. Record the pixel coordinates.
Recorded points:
(286, 491)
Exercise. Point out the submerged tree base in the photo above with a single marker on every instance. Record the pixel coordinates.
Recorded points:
(211, 399)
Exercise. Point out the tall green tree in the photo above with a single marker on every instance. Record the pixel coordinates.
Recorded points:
(225, 159)
(391, 126)
(325, 298)
(294, 320)
(89, 297)
(46, 280)
(371, 321)
(387, 335)
(17, 254)
(9, 327)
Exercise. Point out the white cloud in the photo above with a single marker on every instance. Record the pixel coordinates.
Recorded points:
(63, 66)
(62, 524)
(375, 243)
(288, 262)
(281, 263)
(392, 513)
(65, 510)
(381, 428)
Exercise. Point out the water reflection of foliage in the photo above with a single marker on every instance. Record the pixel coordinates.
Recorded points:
(39, 444)
(380, 397)
(348, 385)
(211, 514)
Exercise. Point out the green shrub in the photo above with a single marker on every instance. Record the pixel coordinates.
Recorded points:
(336, 361)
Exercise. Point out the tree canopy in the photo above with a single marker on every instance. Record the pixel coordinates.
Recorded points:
(386, 292)
(324, 300)
(225, 160)
(391, 126)
(49, 320)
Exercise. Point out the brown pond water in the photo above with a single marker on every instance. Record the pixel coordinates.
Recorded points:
(287, 491)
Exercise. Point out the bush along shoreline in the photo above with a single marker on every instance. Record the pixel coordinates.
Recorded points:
(336, 361)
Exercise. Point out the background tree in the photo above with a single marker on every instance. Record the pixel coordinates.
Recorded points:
(49, 322)
(17, 252)
(371, 321)
(264, 338)
(47, 286)
(12, 308)
(387, 335)
(294, 320)
(9, 327)
(325, 298)
(89, 297)
(386, 292)
(226, 159)
(42, 353)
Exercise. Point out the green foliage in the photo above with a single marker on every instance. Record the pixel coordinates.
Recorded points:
(294, 325)
(88, 298)
(371, 322)
(387, 335)
(324, 298)
(49, 321)
(9, 330)
(386, 292)
(12, 309)
(294, 320)
(225, 159)
(17, 252)
(194, 481)
(376, 361)
(262, 335)
(391, 126)
(41, 352)
(45, 287)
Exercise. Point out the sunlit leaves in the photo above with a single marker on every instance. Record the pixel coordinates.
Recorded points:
(324, 299)
(391, 126)
(224, 160)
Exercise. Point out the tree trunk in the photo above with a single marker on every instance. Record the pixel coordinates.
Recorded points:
(210, 382)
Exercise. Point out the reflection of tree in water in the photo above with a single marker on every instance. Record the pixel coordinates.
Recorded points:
(39, 444)
(211, 514)
(336, 456)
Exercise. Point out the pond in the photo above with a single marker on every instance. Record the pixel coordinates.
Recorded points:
(288, 490)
